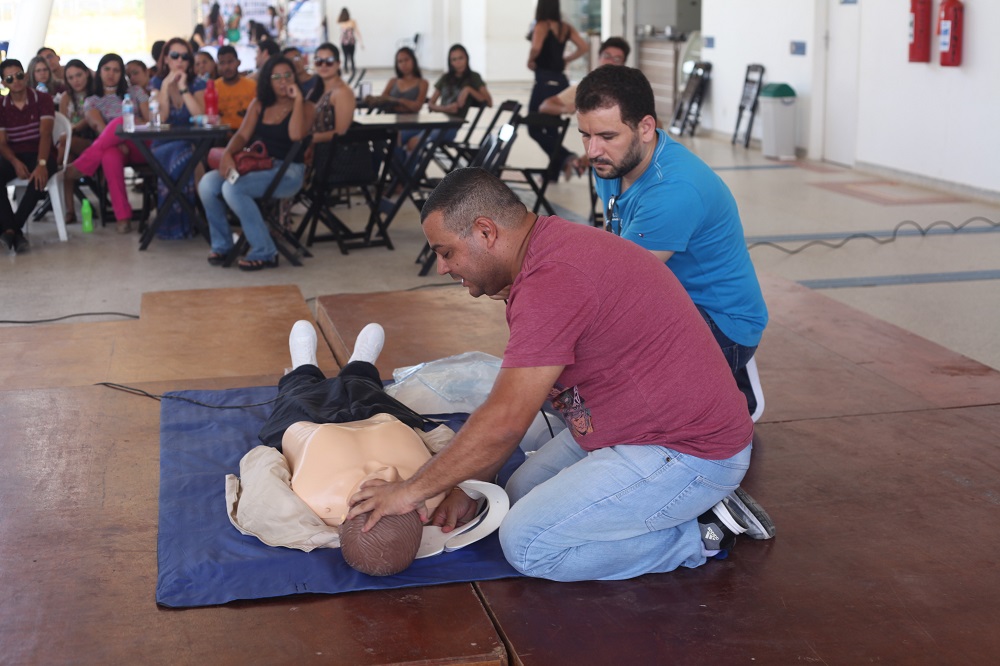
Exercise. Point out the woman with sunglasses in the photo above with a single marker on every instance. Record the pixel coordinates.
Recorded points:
(335, 102)
(109, 152)
(278, 117)
(79, 86)
(181, 97)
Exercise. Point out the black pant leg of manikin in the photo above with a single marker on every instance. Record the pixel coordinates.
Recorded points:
(305, 394)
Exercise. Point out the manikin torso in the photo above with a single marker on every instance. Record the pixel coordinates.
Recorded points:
(329, 462)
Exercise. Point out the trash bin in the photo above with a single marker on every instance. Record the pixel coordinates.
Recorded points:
(777, 108)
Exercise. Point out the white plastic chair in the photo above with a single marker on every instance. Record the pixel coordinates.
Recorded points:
(758, 392)
(61, 127)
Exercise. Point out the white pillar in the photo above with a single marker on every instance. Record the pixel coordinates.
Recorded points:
(31, 22)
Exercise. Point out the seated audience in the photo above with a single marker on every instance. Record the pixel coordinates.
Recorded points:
(40, 76)
(197, 38)
(181, 96)
(407, 92)
(26, 120)
(235, 90)
(157, 49)
(137, 73)
(79, 86)
(204, 66)
(109, 152)
(278, 117)
(58, 84)
(266, 49)
(457, 90)
(335, 102)
(301, 61)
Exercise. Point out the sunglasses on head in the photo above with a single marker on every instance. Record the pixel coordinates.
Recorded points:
(177, 55)
(612, 222)
(325, 61)
(285, 75)
(10, 77)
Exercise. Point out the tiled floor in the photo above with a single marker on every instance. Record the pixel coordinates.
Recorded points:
(942, 286)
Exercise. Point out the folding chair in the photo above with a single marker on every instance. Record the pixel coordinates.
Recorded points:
(270, 209)
(748, 102)
(364, 150)
(538, 179)
(492, 156)
(449, 153)
(688, 109)
(467, 149)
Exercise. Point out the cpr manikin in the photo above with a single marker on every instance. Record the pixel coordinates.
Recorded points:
(329, 462)
(334, 435)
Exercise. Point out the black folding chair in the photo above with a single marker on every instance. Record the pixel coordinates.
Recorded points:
(492, 156)
(270, 209)
(349, 161)
(449, 153)
(748, 102)
(688, 110)
(538, 179)
(504, 115)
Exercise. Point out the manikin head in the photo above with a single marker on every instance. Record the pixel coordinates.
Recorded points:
(386, 549)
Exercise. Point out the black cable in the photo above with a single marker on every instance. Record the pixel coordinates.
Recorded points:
(881, 241)
(147, 394)
(78, 314)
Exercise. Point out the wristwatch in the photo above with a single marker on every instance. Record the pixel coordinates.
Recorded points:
(42, 162)
(184, 91)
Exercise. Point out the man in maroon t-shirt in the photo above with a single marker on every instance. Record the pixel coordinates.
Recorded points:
(26, 120)
(646, 477)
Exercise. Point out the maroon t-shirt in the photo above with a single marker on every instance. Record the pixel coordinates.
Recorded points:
(642, 366)
(23, 125)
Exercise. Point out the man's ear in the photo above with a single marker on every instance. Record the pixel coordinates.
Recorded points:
(486, 229)
(647, 128)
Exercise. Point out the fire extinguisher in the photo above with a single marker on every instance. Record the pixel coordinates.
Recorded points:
(949, 30)
(920, 30)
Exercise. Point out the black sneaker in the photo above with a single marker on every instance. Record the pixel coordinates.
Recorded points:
(21, 244)
(719, 529)
(759, 525)
(7, 240)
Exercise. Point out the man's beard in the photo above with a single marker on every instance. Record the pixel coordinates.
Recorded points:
(631, 159)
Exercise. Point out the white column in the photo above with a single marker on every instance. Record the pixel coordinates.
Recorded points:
(31, 22)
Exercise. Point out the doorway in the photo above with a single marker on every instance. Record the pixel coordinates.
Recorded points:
(840, 125)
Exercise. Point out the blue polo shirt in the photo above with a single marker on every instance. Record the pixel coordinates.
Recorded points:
(679, 204)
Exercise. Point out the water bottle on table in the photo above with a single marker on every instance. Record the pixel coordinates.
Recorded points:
(128, 114)
(154, 109)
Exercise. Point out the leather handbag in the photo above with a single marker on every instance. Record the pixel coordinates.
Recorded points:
(252, 158)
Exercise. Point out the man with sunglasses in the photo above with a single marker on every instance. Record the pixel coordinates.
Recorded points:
(660, 195)
(26, 120)
(235, 90)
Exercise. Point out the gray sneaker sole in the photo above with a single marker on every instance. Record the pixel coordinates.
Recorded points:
(746, 508)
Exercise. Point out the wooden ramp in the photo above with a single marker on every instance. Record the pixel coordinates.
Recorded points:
(876, 456)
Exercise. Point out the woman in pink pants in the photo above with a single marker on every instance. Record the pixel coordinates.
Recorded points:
(109, 152)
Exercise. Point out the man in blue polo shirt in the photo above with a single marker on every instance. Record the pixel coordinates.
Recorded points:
(664, 198)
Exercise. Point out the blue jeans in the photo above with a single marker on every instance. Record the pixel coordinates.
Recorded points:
(240, 197)
(737, 356)
(614, 513)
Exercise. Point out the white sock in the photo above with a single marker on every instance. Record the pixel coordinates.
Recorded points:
(369, 344)
(302, 343)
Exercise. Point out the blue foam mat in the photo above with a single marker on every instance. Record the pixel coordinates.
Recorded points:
(203, 560)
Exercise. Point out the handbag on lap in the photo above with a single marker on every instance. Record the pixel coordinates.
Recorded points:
(252, 158)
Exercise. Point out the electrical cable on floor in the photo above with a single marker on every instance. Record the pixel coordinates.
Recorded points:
(78, 314)
(147, 394)
(881, 241)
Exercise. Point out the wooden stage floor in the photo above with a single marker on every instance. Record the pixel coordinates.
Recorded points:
(877, 456)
